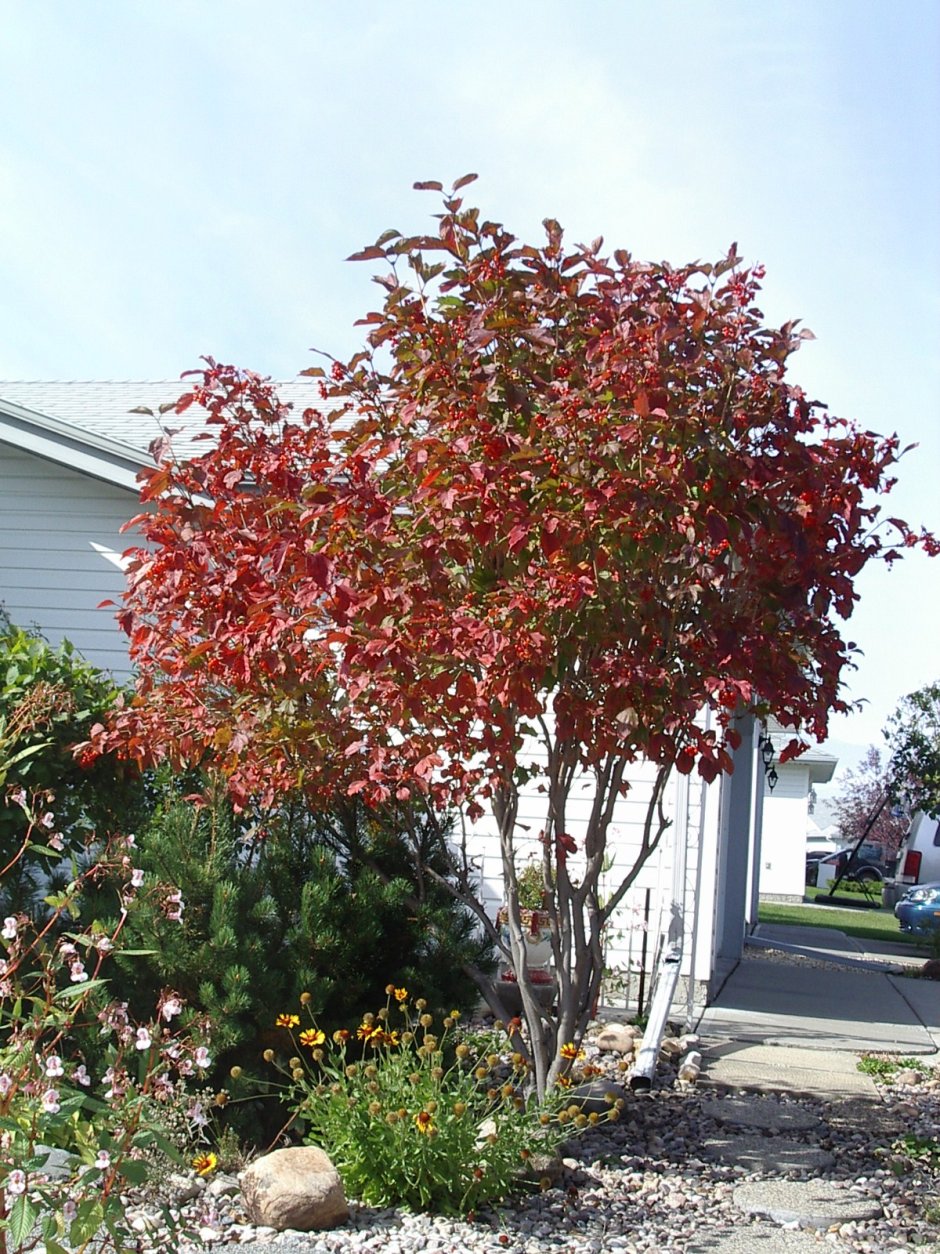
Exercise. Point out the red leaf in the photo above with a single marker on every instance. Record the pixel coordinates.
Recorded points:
(372, 253)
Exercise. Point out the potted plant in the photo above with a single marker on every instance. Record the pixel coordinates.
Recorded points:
(537, 932)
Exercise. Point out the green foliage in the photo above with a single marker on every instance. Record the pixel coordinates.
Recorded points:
(883, 1065)
(414, 1114)
(271, 911)
(49, 700)
(913, 735)
(920, 1151)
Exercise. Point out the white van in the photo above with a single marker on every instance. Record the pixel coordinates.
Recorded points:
(918, 859)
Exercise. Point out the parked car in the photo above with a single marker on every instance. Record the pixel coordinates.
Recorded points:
(918, 911)
(868, 866)
(918, 860)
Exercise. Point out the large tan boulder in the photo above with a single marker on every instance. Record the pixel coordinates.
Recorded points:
(294, 1188)
(617, 1038)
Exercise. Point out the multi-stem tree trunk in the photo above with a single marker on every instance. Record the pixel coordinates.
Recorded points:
(576, 909)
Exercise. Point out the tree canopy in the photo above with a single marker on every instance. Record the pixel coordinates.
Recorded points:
(565, 510)
(558, 483)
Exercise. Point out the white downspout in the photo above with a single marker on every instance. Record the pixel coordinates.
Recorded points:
(670, 962)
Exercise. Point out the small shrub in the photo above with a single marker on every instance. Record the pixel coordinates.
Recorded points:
(414, 1114)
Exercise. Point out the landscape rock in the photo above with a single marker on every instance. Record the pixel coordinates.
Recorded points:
(597, 1096)
(295, 1188)
(617, 1038)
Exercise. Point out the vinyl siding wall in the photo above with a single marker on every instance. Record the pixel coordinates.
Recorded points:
(624, 941)
(51, 574)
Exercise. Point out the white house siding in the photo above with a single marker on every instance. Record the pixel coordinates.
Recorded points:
(625, 934)
(59, 544)
(783, 834)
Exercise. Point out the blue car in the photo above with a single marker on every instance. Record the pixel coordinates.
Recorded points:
(918, 911)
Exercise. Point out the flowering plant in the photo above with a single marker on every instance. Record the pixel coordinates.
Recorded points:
(53, 995)
(421, 1114)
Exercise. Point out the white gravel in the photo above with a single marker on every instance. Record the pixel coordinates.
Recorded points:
(641, 1186)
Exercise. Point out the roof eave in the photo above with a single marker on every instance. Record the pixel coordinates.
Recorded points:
(60, 442)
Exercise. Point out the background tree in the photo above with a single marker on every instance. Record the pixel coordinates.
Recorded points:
(913, 736)
(859, 795)
(568, 515)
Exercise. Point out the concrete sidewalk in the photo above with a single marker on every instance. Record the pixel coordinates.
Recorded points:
(796, 1028)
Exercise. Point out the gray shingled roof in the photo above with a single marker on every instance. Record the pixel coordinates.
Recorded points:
(102, 407)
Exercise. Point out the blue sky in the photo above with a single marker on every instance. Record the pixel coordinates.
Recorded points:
(185, 178)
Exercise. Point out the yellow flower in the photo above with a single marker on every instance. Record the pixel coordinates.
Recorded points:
(205, 1164)
(401, 994)
(312, 1037)
(423, 1122)
(571, 1051)
(287, 1021)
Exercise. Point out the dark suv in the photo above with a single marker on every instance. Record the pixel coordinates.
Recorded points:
(871, 864)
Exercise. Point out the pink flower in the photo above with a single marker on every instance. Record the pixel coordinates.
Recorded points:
(16, 1182)
(202, 1058)
(54, 1066)
(48, 821)
(6, 1083)
(10, 927)
(137, 877)
(103, 1161)
(196, 1115)
(144, 1039)
(18, 797)
(175, 906)
(50, 1101)
(77, 972)
(171, 1007)
(81, 1076)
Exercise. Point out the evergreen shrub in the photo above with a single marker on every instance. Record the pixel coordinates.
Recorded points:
(323, 905)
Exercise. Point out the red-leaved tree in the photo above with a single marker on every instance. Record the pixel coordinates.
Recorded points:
(559, 505)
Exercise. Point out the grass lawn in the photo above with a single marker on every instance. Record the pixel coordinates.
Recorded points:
(877, 924)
